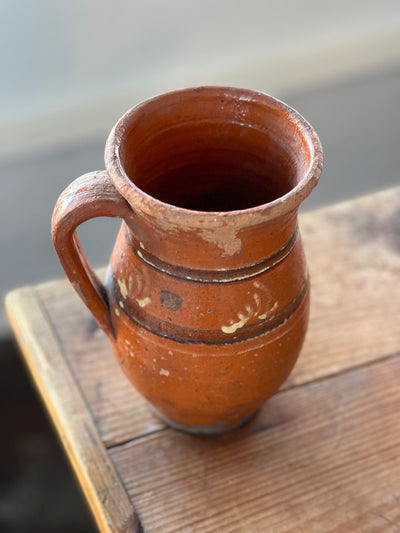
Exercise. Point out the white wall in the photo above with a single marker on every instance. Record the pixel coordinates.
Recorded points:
(70, 69)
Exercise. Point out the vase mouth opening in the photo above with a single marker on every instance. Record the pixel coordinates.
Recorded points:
(213, 151)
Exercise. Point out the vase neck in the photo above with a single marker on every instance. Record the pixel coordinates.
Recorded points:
(211, 247)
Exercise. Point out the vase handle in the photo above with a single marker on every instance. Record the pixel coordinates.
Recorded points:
(90, 196)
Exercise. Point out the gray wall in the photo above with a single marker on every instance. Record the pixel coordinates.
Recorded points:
(69, 69)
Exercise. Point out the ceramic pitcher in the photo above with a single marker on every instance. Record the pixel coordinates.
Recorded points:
(206, 301)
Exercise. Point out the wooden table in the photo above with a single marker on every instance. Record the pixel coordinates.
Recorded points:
(322, 455)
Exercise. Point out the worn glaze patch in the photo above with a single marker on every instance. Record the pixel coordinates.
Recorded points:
(225, 238)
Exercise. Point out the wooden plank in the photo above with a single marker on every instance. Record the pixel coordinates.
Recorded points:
(353, 249)
(353, 255)
(106, 495)
(321, 457)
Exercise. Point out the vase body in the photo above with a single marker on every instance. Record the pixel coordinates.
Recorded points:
(206, 301)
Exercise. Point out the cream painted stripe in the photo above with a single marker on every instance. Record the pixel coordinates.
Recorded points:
(204, 276)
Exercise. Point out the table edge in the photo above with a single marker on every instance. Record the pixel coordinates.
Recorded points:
(104, 491)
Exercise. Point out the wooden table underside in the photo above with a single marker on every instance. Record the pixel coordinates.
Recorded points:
(322, 455)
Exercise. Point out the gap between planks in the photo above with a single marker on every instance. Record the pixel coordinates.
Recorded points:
(344, 371)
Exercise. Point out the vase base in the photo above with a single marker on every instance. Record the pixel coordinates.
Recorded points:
(216, 429)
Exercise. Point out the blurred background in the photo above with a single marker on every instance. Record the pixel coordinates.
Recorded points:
(71, 69)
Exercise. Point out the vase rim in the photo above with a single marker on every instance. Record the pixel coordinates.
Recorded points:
(145, 204)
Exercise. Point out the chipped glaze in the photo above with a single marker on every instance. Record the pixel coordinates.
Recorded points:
(207, 297)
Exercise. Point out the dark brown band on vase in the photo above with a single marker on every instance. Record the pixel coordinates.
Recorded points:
(187, 335)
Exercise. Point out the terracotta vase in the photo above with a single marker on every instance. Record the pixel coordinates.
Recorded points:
(206, 301)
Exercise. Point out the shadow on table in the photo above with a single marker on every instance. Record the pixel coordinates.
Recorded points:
(37, 489)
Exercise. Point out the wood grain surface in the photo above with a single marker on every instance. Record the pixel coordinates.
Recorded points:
(322, 455)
